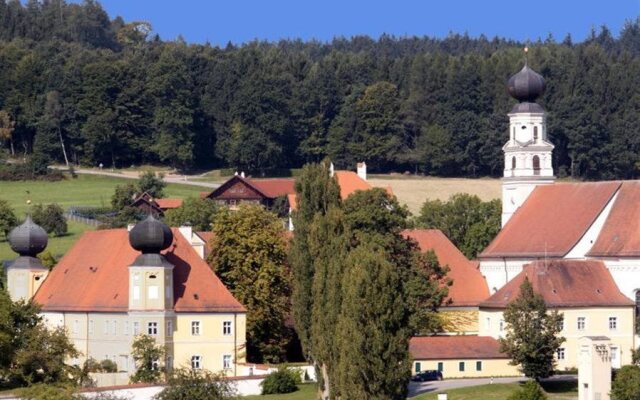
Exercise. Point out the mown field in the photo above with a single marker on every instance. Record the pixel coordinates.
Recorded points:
(555, 391)
(85, 190)
(413, 191)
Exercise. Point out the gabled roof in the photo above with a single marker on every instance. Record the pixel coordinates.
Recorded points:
(94, 277)
(620, 235)
(564, 283)
(257, 188)
(469, 287)
(349, 182)
(273, 188)
(166, 204)
(455, 348)
(552, 220)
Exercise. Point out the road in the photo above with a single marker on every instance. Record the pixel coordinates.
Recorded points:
(416, 388)
(169, 178)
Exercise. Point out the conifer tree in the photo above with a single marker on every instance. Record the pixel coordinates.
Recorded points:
(532, 333)
(316, 192)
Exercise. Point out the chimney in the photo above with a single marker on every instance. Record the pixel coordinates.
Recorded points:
(186, 231)
(130, 227)
(362, 170)
(242, 174)
(236, 173)
(331, 170)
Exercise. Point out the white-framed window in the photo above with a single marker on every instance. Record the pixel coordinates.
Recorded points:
(125, 329)
(501, 325)
(195, 328)
(561, 325)
(478, 365)
(152, 328)
(582, 323)
(136, 328)
(152, 292)
(76, 326)
(136, 292)
(226, 361)
(226, 328)
(106, 327)
(91, 326)
(169, 328)
(613, 323)
(560, 353)
(196, 362)
(155, 365)
(114, 327)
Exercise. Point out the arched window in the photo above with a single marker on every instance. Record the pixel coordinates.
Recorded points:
(513, 163)
(535, 133)
(536, 165)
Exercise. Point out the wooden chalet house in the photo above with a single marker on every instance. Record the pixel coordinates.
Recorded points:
(238, 190)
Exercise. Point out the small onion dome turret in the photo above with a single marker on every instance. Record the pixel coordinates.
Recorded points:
(527, 85)
(150, 236)
(28, 239)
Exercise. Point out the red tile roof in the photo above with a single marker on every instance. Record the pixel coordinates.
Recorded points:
(167, 204)
(349, 182)
(273, 188)
(469, 287)
(564, 283)
(620, 235)
(94, 277)
(552, 220)
(455, 348)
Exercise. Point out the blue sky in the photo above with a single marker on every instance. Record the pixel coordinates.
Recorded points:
(238, 21)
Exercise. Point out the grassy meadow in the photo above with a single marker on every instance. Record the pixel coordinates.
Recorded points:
(555, 391)
(413, 191)
(85, 190)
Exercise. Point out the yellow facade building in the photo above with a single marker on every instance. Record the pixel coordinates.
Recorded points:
(114, 285)
(585, 294)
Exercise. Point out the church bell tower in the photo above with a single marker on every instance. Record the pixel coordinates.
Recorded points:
(527, 154)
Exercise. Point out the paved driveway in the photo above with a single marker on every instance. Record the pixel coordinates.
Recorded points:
(416, 388)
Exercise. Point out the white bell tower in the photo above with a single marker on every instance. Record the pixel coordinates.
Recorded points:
(527, 154)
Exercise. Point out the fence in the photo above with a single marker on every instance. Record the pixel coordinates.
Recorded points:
(84, 220)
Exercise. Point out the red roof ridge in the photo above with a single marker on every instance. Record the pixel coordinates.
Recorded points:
(552, 220)
(564, 283)
(459, 347)
(93, 276)
(469, 286)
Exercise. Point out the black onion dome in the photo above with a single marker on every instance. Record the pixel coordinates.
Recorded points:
(150, 236)
(28, 239)
(527, 85)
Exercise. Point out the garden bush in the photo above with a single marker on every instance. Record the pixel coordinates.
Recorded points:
(284, 380)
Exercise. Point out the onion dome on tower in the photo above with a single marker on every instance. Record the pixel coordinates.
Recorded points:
(28, 240)
(150, 237)
(526, 86)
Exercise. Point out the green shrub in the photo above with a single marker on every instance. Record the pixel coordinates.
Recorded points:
(530, 390)
(107, 365)
(284, 380)
(626, 384)
(186, 383)
(47, 392)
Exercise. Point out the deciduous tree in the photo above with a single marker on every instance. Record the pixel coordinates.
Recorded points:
(532, 333)
(249, 255)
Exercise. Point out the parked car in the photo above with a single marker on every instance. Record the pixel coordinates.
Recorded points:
(431, 375)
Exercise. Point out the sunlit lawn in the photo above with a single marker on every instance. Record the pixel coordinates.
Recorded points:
(85, 190)
(499, 391)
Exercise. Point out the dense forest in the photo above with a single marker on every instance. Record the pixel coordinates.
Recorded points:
(76, 85)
